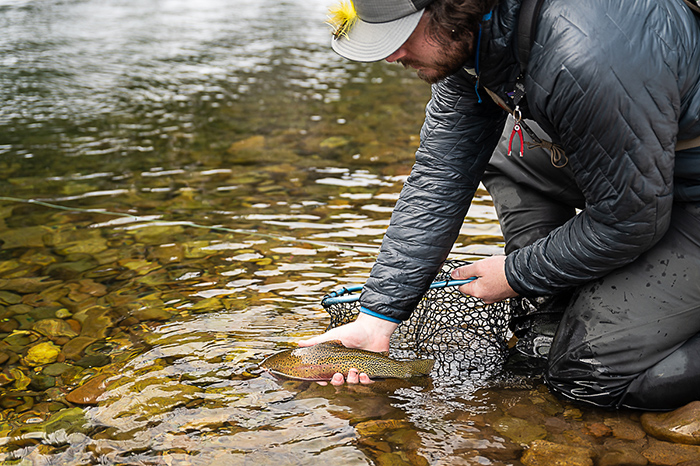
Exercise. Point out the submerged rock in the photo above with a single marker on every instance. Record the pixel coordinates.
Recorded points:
(70, 420)
(9, 326)
(6, 378)
(74, 348)
(93, 360)
(55, 369)
(251, 143)
(519, 430)
(95, 320)
(7, 297)
(17, 341)
(41, 354)
(334, 142)
(92, 288)
(27, 237)
(625, 429)
(54, 328)
(27, 284)
(71, 269)
(42, 382)
(679, 426)
(379, 427)
(89, 392)
(622, 455)
(544, 453)
(670, 454)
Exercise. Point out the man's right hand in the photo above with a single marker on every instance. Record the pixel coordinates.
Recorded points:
(366, 332)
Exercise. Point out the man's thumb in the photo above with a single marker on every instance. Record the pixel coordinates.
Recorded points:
(459, 274)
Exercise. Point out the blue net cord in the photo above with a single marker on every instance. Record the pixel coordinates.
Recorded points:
(345, 294)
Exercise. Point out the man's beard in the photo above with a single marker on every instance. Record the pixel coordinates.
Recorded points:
(448, 64)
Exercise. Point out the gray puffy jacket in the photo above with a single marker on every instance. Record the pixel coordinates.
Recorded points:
(615, 83)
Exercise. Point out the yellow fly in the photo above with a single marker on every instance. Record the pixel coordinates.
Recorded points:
(342, 17)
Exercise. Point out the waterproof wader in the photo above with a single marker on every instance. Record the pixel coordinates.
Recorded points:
(631, 338)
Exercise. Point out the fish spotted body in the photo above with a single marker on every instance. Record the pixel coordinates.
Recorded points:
(321, 361)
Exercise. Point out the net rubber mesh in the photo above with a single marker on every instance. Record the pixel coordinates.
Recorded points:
(465, 336)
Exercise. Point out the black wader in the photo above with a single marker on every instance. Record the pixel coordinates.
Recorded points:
(631, 338)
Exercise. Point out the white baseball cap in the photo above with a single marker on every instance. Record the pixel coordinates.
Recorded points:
(381, 27)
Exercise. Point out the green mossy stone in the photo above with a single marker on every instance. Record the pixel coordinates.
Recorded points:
(55, 369)
(42, 382)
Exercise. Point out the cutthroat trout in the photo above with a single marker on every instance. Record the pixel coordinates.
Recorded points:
(321, 361)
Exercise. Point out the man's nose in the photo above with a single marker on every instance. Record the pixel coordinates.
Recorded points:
(400, 53)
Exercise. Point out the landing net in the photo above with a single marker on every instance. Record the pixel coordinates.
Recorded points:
(465, 336)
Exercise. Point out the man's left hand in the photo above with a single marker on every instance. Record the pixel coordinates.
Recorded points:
(491, 284)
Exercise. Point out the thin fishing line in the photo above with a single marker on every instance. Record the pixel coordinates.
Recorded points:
(184, 223)
(140, 218)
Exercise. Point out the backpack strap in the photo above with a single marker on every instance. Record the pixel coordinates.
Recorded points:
(694, 5)
(527, 26)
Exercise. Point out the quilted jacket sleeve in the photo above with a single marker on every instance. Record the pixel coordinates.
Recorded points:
(616, 111)
(457, 140)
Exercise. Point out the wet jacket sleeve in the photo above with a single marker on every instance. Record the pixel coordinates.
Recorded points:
(617, 114)
(457, 140)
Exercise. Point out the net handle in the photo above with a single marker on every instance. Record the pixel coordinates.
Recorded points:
(343, 295)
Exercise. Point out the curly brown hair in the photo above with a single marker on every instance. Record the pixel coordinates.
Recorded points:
(456, 20)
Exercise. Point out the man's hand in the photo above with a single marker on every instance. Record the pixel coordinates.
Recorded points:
(366, 332)
(354, 377)
(491, 284)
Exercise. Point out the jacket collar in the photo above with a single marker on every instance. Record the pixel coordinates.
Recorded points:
(498, 63)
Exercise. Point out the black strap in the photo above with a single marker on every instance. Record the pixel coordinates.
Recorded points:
(694, 5)
(527, 26)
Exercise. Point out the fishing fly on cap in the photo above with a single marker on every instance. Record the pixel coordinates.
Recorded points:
(341, 17)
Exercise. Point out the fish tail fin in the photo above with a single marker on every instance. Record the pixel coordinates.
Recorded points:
(422, 366)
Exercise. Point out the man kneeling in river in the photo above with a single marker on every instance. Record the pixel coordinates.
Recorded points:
(609, 224)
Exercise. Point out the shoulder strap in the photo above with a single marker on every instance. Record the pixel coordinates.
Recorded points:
(694, 5)
(527, 26)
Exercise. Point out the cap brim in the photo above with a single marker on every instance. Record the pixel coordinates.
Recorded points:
(368, 42)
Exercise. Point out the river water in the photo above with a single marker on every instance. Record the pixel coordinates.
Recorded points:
(182, 182)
